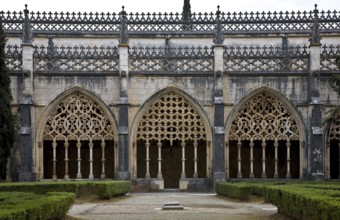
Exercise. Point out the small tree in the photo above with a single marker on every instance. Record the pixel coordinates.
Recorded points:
(7, 124)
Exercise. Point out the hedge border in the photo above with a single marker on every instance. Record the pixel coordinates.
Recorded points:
(103, 189)
(298, 200)
(50, 206)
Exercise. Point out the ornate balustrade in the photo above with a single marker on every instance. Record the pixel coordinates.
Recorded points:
(328, 56)
(76, 59)
(148, 59)
(266, 59)
(166, 59)
(13, 58)
(172, 23)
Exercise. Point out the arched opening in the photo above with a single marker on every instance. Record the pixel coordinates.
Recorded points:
(263, 140)
(78, 140)
(171, 141)
(334, 150)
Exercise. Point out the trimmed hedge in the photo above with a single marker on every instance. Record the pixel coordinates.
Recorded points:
(106, 190)
(298, 200)
(23, 205)
(103, 189)
(237, 191)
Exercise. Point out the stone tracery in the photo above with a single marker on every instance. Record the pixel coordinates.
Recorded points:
(263, 119)
(171, 118)
(78, 118)
(333, 148)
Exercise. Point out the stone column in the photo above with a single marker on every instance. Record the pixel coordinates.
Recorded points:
(263, 144)
(183, 175)
(66, 145)
(276, 146)
(218, 133)
(315, 136)
(79, 175)
(103, 145)
(26, 105)
(159, 146)
(288, 176)
(123, 172)
(239, 160)
(91, 176)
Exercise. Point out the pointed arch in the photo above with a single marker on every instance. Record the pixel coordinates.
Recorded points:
(276, 95)
(332, 148)
(194, 103)
(171, 122)
(78, 116)
(262, 127)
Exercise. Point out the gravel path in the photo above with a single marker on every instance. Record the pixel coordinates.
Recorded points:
(196, 206)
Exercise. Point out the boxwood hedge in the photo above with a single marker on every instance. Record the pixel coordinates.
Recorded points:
(300, 200)
(24, 205)
(103, 189)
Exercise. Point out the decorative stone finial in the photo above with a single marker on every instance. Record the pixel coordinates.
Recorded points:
(186, 15)
(218, 34)
(123, 27)
(26, 35)
(315, 37)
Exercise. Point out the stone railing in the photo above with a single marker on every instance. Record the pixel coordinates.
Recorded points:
(266, 59)
(171, 59)
(171, 23)
(76, 59)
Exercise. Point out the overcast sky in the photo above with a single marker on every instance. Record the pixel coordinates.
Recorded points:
(167, 5)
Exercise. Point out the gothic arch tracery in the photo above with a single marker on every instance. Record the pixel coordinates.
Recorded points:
(79, 122)
(333, 150)
(264, 130)
(78, 118)
(172, 118)
(264, 118)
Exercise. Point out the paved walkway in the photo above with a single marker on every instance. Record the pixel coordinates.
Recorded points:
(196, 206)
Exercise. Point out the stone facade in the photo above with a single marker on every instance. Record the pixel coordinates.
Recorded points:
(173, 101)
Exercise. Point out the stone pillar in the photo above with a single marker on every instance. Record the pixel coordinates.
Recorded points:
(218, 132)
(315, 136)
(123, 105)
(26, 136)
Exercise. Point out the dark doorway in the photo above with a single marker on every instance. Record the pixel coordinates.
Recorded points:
(334, 159)
(171, 163)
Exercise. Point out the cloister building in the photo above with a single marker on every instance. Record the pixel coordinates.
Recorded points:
(173, 100)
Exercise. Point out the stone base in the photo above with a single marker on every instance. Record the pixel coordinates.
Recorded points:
(146, 185)
(123, 176)
(218, 176)
(318, 176)
(156, 184)
(26, 177)
(195, 184)
(185, 184)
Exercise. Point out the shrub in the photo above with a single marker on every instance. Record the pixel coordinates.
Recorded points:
(103, 189)
(23, 205)
(300, 200)
(238, 191)
(106, 190)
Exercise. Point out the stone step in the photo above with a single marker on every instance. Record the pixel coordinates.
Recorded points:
(172, 206)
